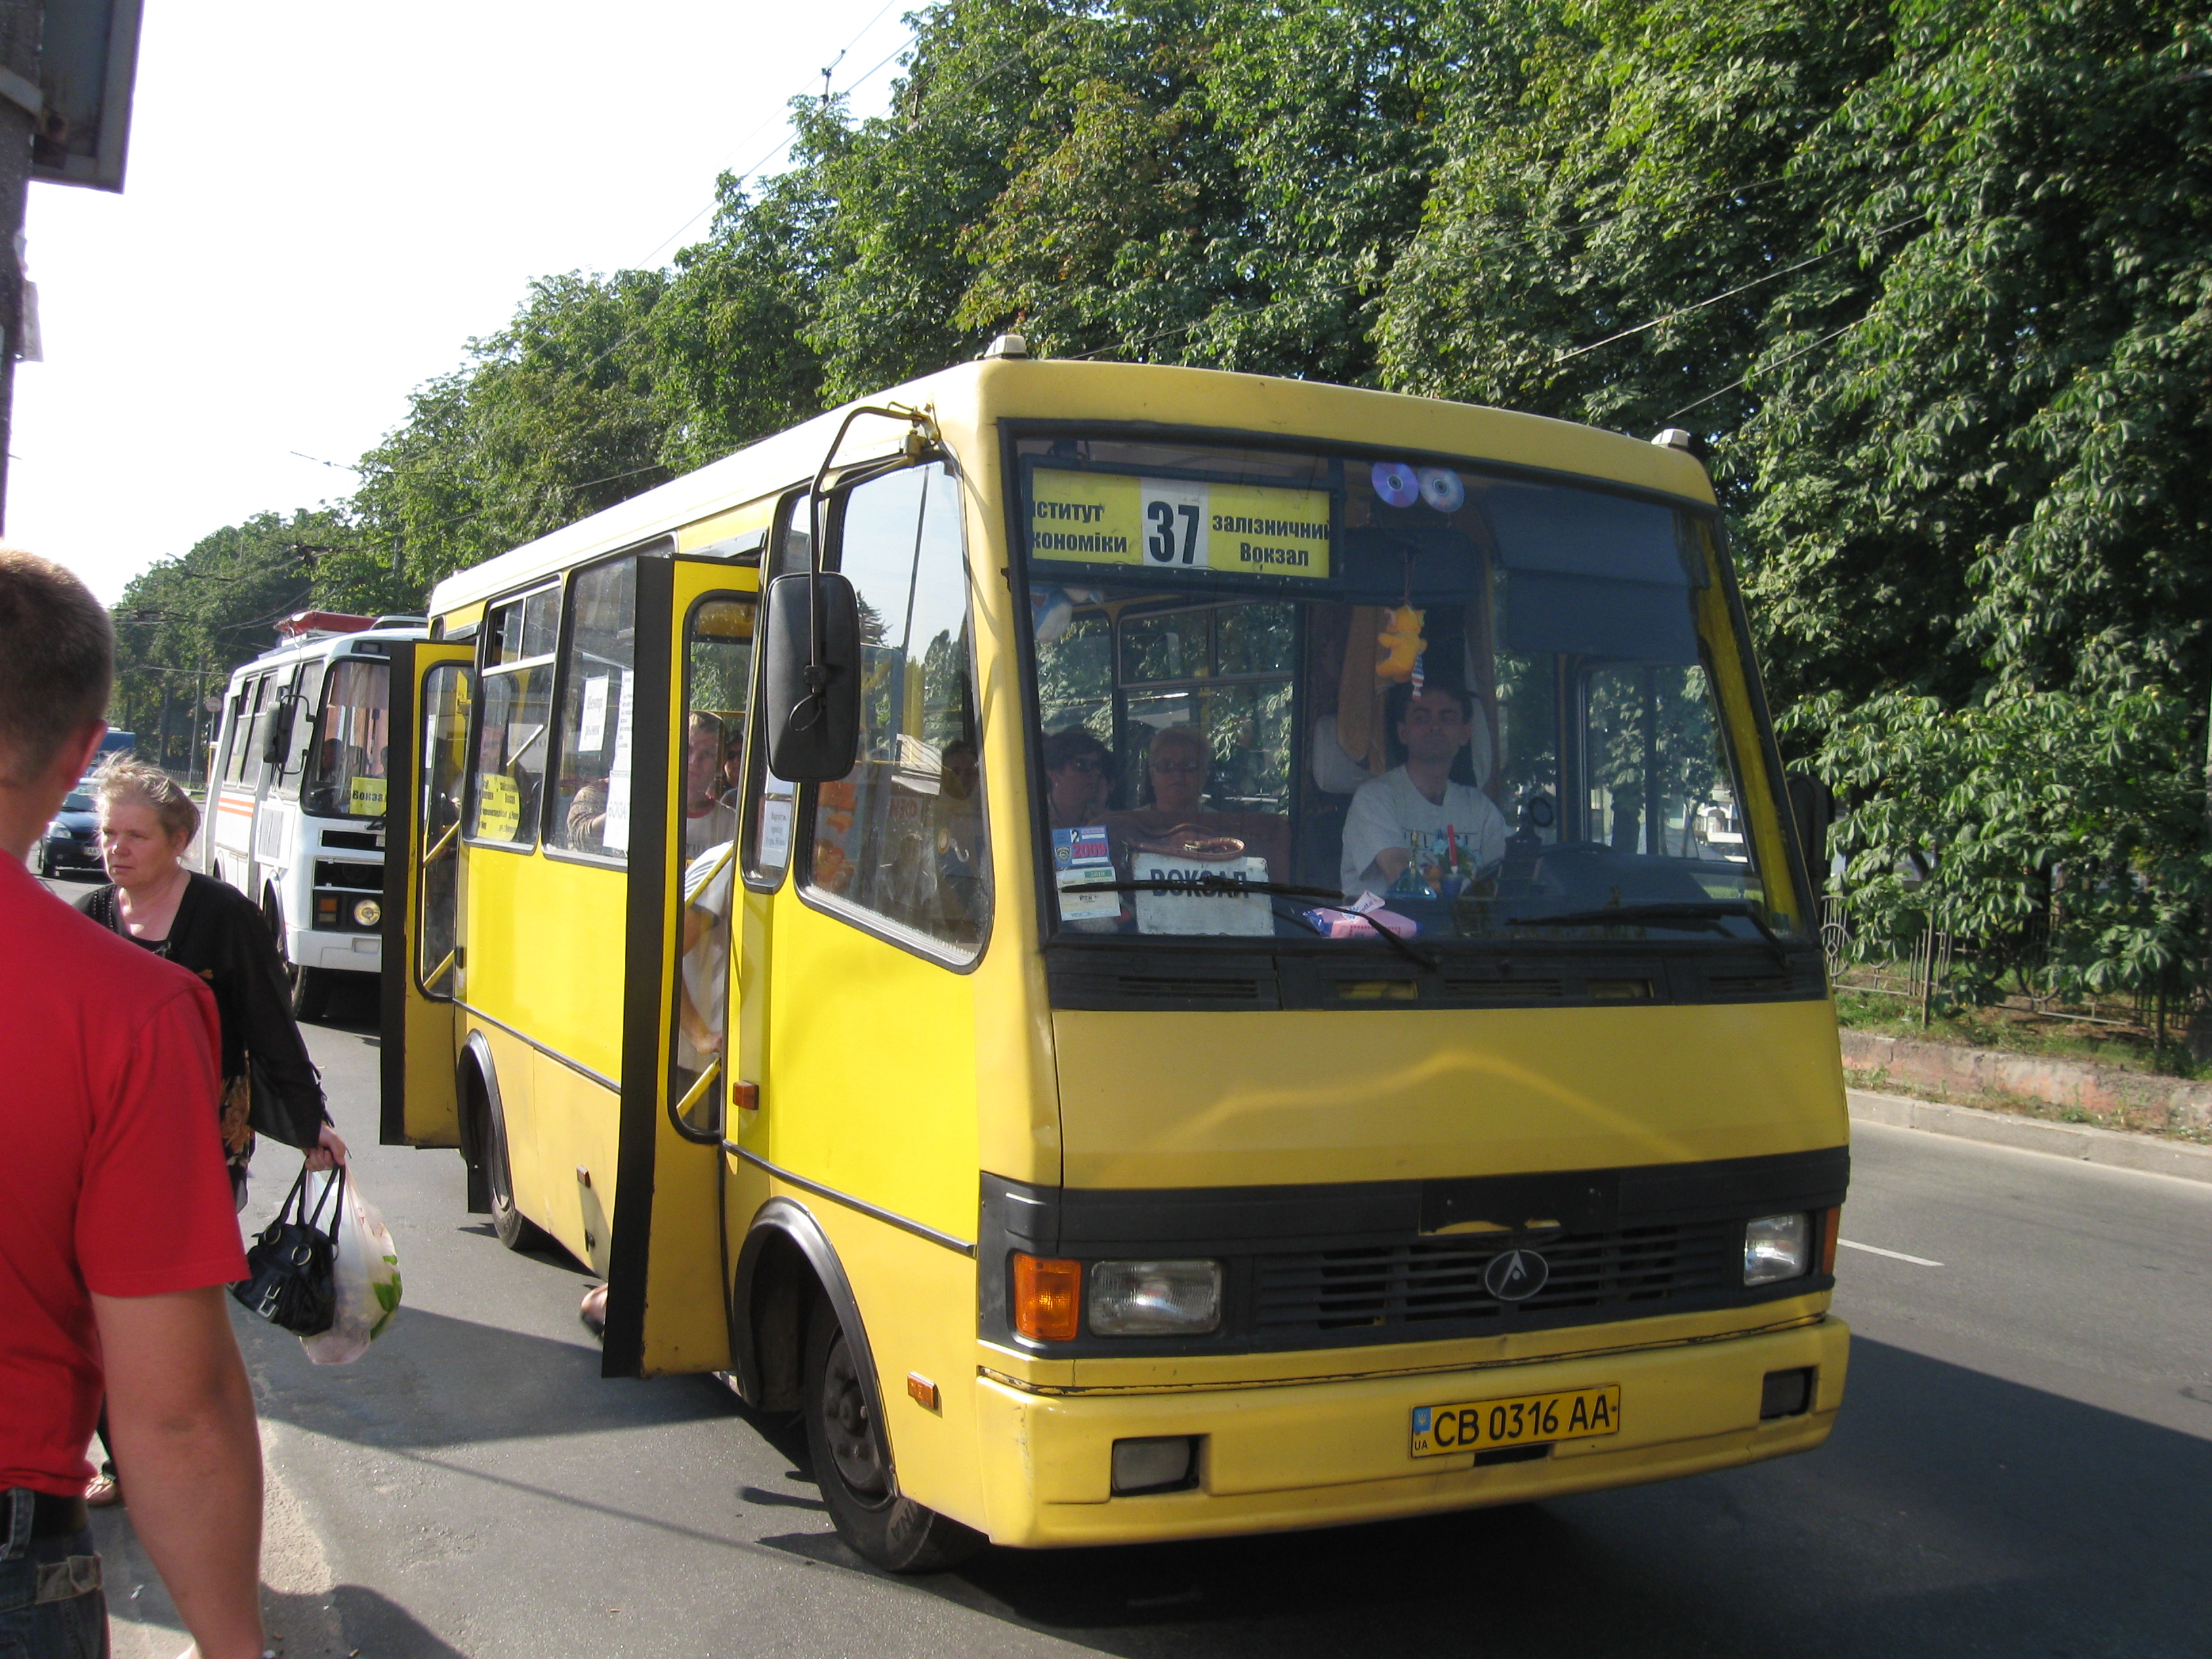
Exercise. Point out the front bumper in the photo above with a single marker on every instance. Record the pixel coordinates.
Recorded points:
(344, 953)
(1322, 1454)
(73, 855)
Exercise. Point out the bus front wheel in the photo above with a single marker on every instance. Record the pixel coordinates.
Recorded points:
(311, 993)
(846, 1444)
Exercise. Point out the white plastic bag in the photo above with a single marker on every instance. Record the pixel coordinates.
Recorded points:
(367, 1276)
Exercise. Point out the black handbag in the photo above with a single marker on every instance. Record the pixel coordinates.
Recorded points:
(291, 1269)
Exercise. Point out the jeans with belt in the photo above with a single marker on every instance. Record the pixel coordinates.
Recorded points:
(50, 1602)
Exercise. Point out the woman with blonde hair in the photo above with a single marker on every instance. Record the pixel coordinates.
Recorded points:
(269, 1085)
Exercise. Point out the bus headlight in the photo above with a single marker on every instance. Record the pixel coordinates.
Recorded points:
(1776, 1247)
(1155, 1298)
(367, 913)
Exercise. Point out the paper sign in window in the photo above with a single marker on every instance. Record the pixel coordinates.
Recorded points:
(616, 836)
(591, 733)
(1196, 911)
(1179, 524)
(499, 806)
(365, 797)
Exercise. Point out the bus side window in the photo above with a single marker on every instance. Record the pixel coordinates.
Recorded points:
(518, 719)
(591, 801)
(902, 835)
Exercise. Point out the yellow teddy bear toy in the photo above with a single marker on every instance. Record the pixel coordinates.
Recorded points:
(1401, 638)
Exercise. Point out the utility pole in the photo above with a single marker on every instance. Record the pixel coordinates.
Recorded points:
(22, 25)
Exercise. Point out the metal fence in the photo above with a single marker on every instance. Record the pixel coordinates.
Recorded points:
(1925, 976)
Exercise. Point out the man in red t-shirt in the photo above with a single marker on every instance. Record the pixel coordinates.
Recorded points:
(117, 1235)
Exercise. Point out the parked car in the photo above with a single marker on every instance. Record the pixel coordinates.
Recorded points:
(71, 842)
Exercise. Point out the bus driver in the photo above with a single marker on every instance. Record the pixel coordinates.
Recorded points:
(1418, 805)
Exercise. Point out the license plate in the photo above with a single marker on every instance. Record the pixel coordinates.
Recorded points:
(1529, 1419)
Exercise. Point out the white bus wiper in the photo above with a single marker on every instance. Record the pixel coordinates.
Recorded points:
(1709, 913)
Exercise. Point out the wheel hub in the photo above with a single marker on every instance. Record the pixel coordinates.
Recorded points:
(848, 1430)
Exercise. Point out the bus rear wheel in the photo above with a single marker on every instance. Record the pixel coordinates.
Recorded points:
(515, 1230)
(846, 1446)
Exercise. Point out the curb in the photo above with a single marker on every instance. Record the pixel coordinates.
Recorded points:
(2084, 1143)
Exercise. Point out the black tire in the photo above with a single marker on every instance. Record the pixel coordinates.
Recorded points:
(311, 993)
(515, 1230)
(45, 862)
(846, 1445)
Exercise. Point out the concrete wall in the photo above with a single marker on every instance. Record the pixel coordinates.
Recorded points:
(1958, 1072)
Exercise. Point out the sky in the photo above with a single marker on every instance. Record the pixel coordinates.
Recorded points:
(324, 202)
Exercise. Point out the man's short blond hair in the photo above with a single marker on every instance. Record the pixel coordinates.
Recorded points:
(57, 662)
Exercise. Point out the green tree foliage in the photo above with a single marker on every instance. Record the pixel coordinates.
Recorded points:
(183, 623)
(1930, 280)
(555, 418)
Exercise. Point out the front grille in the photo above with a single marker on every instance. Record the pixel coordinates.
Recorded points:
(339, 872)
(1426, 1281)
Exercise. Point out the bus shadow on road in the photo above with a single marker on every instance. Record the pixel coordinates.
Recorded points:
(1952, 1511)
(432, 1380)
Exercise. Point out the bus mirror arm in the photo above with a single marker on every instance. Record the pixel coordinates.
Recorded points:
(812, 660)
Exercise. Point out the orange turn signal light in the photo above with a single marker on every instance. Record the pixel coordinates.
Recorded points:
(1830, 1230)
(1048, 1299)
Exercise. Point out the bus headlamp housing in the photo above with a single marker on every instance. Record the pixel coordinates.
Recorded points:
(1155, 1298)
(1777, 1247)
(367, 913)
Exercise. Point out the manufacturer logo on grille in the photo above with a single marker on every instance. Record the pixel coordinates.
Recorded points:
(1516, 1275)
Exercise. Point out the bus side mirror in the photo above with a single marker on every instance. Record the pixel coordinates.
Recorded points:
(1813, 810)
(812, 708)
(276, 748)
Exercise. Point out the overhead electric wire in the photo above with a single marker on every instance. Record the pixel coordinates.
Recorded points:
(1741, 288)
(1787, 357)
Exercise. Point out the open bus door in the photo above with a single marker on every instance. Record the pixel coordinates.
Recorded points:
(666, 1288)
(433, 689)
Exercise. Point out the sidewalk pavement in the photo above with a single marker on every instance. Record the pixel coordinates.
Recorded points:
(2114, 1148)
(296, 1606)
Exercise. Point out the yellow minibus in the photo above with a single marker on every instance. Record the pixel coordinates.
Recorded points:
(1157, 953)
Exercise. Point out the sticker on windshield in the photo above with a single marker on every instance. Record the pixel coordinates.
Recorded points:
(365, 797)
(1174, 524)
(1083, 859)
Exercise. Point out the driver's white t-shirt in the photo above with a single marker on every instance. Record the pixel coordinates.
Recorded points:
(1391, 812)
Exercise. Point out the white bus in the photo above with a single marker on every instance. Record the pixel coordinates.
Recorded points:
(295, 792)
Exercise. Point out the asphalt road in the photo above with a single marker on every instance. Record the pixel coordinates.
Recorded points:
(2023, 1468)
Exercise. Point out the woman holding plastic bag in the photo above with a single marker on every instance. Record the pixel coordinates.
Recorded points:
(269, 1085)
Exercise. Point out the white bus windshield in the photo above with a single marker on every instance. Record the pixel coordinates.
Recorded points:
(1305, 696)
(346, 761)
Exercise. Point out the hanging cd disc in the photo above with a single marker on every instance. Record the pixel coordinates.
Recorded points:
(1396, 482)
(1441, 489)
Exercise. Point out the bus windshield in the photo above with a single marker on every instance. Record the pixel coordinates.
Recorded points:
(1319, 697)
(346, 761)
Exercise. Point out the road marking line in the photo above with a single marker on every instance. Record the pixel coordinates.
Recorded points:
(1894, 1255)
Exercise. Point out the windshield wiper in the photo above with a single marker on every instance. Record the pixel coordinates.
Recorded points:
(1709, 913)
(1214, 887)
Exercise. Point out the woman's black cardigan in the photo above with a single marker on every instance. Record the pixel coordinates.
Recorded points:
(220, 934)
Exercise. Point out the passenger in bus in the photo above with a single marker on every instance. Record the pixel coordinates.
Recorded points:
(1078, 772)
(959, 835)
(1178, 766)
(709, 817)
(1418, 806)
